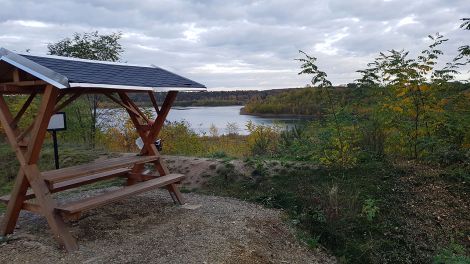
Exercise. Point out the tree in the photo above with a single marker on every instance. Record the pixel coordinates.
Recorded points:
(232, 128)
(410, 86)
(341, 150)
(464, 51)
(91, 46)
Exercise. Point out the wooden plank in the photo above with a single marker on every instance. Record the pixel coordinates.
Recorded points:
(112, 196)
(5, 198)
(27, 205)
(26, 83)
(13, 89)
(65, 185)
(32, 207)
(59, 175)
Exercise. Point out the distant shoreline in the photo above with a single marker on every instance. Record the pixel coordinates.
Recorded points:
(265, 115)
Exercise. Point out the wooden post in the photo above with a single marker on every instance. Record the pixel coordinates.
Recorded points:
(148, 137)
(29, 173)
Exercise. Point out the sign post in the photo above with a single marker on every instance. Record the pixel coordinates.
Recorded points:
(57, 123)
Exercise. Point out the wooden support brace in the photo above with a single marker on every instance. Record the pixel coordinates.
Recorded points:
(23, 110)
(121, 104)
(57, 109)
(154, 102)
(29, 174)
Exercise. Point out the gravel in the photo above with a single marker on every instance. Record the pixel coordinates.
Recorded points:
(150, 228)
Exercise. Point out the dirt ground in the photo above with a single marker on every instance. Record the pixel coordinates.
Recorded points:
(198, 171)
(150, 228)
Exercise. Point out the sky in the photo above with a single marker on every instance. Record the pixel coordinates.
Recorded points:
(233, 45)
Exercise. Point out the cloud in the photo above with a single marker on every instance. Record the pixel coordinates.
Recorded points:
(241, 44)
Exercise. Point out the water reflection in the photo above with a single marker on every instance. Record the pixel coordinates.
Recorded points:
(202, 118)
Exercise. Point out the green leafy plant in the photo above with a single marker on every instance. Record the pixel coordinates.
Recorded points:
(452, 254)
(370, 209)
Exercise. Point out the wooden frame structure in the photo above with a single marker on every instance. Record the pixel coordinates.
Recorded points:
(33, 189)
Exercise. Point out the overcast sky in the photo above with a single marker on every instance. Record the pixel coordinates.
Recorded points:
(241, 44)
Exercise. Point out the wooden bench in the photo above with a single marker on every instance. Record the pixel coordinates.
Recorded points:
(94, 168)
(112, 196)
(75, 176)
(78, 206)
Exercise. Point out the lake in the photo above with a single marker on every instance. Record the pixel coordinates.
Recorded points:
(201, 118)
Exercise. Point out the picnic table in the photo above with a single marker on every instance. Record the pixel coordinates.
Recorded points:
(60, 81)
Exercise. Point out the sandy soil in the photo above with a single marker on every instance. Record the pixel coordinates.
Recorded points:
(150, 228)
(198, 171)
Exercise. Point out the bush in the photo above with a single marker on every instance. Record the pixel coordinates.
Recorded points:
(263, 140)
(452, 254)
(217, 155)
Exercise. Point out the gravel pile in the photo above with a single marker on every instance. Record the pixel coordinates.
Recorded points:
(149, 228)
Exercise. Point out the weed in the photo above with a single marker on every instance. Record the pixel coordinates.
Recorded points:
(452, 254)
(217, 155)
(370, 209)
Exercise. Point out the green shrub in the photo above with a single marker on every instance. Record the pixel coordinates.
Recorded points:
(452, 254)
(370, 209)
(217, 155)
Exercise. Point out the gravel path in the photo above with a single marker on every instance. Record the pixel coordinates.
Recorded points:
(149, 228)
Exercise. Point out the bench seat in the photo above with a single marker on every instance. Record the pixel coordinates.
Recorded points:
(64, 174)
(112, 196)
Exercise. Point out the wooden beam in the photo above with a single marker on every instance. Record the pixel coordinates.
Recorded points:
(57, 109)
(133, 105)
(6, 118)
(15, 204)
(48, 205)
(13, 89)
(26, 83)
(165, 109)
(67, 102)
(154, 102)
(31, 170)
(61, 95)
(114, 99)
(21, 184)
(150, 149)
(46, 109)
(22, 110)
(16, 75)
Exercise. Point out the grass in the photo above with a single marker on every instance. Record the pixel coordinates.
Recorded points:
(359, 214)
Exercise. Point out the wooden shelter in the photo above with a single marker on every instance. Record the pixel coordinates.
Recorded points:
(59, 81)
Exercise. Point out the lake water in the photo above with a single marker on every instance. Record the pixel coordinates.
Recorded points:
(201, 118)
